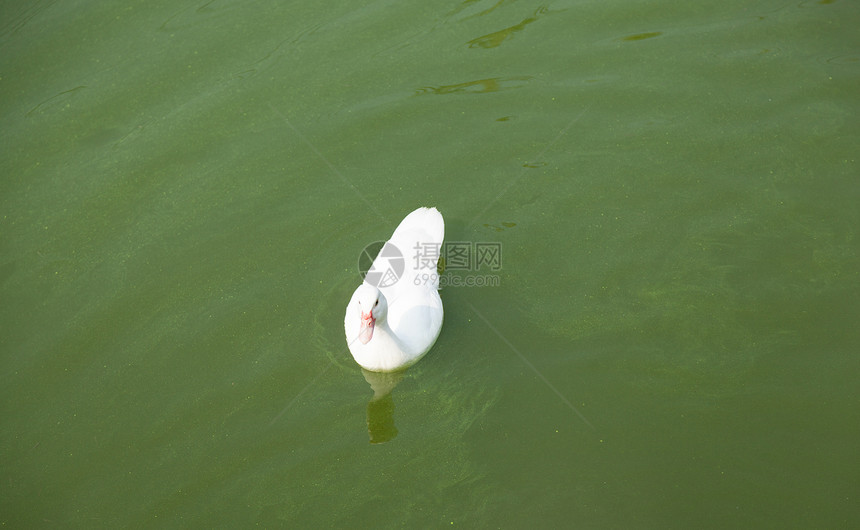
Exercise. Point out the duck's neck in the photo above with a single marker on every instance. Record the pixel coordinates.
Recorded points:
(384, 348)
(387, 337)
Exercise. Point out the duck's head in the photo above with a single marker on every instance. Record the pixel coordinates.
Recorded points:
(372, 307)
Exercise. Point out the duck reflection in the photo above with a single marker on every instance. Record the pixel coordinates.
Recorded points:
(380, 408)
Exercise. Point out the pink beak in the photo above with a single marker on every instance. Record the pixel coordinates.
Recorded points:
(366, 331)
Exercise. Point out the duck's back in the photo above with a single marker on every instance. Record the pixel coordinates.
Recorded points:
(419, 239)
(415, 309)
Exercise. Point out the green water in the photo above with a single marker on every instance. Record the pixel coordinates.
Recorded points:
(185, 189)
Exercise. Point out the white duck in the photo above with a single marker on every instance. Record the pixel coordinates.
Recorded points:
(392, 321)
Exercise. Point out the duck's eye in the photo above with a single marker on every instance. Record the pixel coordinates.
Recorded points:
(376, 304)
